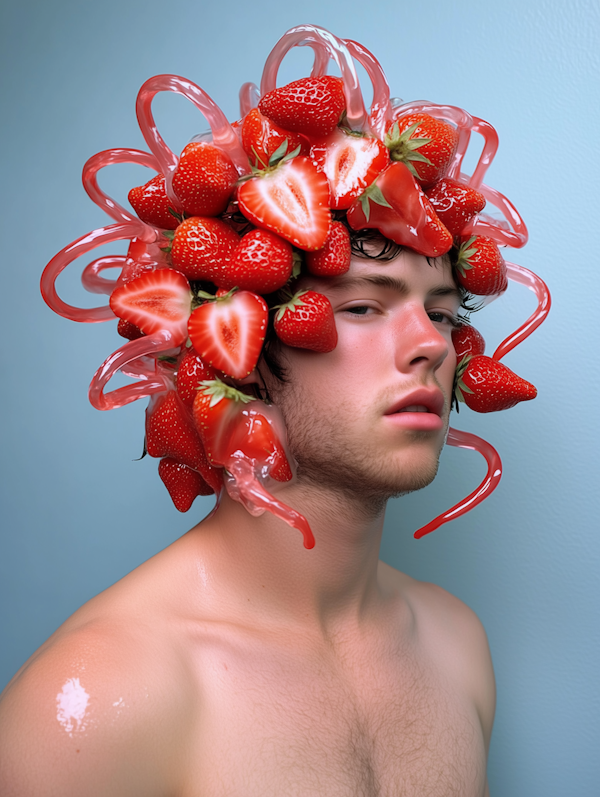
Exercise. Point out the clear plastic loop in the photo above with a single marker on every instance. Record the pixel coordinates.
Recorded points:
(249, 97)
(525, 277)
(107, 158)
(91, 279)
(486, 488)
(320, 40)
(152, 379)
(223, 134)
(486, 225)
(83, 245)
(381, 110)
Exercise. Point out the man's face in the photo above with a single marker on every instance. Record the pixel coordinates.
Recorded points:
(370, 417)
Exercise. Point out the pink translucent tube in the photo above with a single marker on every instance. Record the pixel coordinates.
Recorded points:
(320, 40)
(381, 110)
(487, 486)
(91, 279)
(152, 379)
(223, 134)
(107, 158)
(243, 486)
(485, 225)
(525, 277)
(83, 245)
(249, 97)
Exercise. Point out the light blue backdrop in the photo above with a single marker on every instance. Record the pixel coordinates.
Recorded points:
(78, 512)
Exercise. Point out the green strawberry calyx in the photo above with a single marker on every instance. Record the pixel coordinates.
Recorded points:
(459, 388)
(465, 253)
(293, 303)
(202, 297)
(280, 157)
(403, 148)
(372, 193)
(218, 390)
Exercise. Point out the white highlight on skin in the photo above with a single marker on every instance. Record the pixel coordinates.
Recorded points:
(71, 704)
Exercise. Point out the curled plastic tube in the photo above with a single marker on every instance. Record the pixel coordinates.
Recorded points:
(91, 279)
(151, 382)
(244, 486)
(106, 158)
(525, 277)
(487, 486)
(83, 245)
(485, 225)
(381, 110)
(223, 134)
(319, 39)
(249, 97)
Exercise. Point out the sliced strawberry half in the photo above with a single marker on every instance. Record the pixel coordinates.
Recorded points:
(228, 332)
(157, 300)
(350, 162)
(291, 200)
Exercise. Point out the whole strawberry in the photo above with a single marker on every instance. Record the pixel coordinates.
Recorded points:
(262, 262)
(261, 138)
(455, 204)
(191, 372)
(151, 203)
(486, 385)
(426, 145)
(311, 106)
(307, 322)
(467, 341)
(204, 179)
(183, 483)
(202, 247)
(334, 258)
(481, 267)
(216, 408)
(128, 330)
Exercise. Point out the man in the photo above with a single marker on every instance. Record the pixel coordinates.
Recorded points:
(236, 662)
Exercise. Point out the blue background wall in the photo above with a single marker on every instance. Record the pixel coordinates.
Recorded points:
(78, 512)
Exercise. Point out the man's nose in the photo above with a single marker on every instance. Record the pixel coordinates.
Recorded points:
(419, 344)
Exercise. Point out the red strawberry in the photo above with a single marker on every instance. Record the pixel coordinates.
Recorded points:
(254, 436)
(481, 267)
(157, 300)
(312, 106)
(191, 372)
(151, 203)
(216, 407)
(334, 258)
(128, 330)
(183, 483)
(228, 332)
(204, 179)
(170, 432)
(351, 163)
(307, 322)
(261, 138)
(201, 248)
(467, 342)
(291, 200)
(395, 205)
(455, 203)
(486, 385)
(262, 262)
(425, 144)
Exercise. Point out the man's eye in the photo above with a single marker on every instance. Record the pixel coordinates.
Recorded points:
(442, 318)
(361, 309)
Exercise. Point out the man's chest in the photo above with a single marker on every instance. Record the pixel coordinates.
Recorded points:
(295, 725)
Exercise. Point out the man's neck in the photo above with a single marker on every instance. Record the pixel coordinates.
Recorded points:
(267, 570)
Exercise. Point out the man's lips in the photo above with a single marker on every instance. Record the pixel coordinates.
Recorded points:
(421, 400)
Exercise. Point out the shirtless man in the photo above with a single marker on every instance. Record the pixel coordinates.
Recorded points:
(236, 662)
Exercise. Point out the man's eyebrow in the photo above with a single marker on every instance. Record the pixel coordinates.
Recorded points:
(393, 283)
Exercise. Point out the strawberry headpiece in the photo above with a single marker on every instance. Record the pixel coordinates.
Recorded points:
(239, 214)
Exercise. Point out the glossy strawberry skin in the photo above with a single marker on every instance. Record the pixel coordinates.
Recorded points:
(310, 326)
(455, 204)
(467, 341)
(410, 220)
(151, 203)
(183, 483)
(291, 201)
(228, 333)
(311, 106)
(350, 163)
(334, 258)
(214, 424)
(202, 247)
(261, 137)
(128, 330)
(494, 386)
(262, 262)
(191, 372)
(157, 300)
(481, 268)
(204, 179)
(255, 437)
(439, 150)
